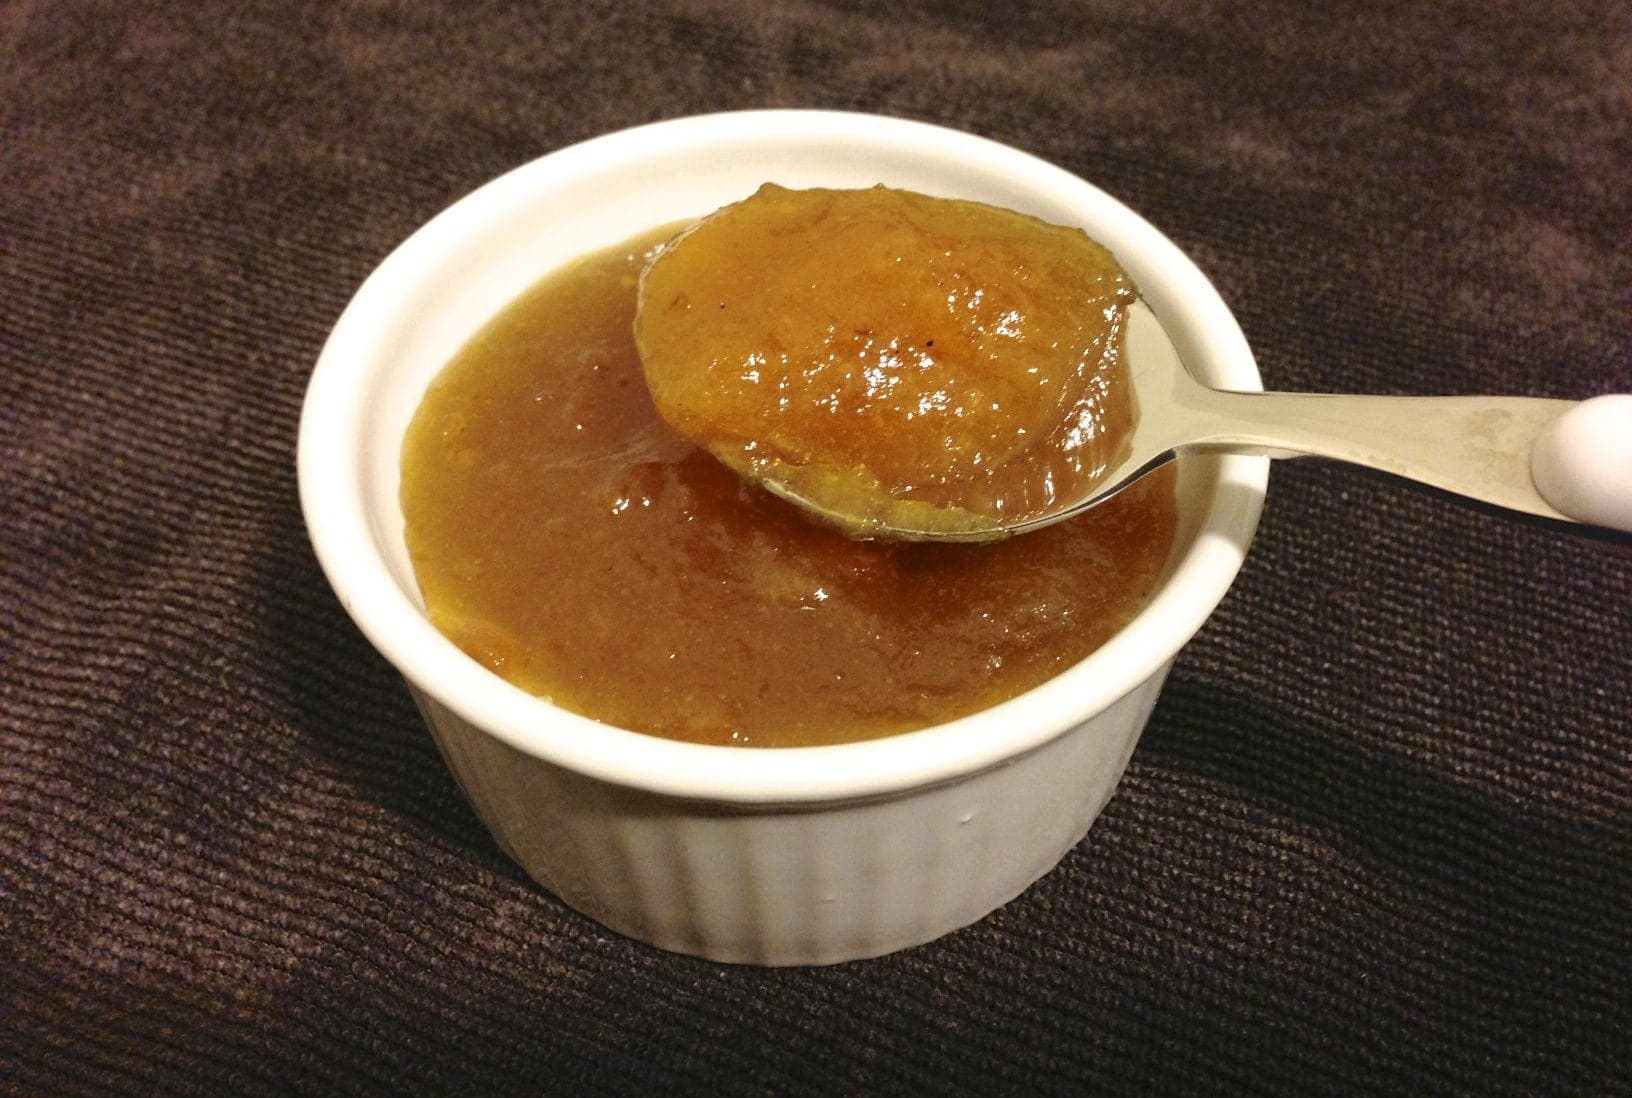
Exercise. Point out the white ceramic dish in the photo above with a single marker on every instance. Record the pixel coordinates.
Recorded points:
(795, 856)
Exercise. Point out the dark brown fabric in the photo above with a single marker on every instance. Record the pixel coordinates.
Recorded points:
(1377, 837)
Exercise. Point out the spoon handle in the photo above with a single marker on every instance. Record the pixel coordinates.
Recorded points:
(1484, 448)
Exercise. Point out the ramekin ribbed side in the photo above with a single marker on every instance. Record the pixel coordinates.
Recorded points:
(798, 884)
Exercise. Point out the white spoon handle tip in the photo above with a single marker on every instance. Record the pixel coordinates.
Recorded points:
(1582, 462)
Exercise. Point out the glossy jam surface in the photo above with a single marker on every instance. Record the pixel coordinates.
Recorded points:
(568, 539)
(884, 353)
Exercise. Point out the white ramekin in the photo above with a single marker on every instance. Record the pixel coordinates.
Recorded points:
(794, 856)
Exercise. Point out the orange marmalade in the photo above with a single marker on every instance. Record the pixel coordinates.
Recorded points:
(571, 541)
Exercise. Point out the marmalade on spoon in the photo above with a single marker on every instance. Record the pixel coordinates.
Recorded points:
(892, 359)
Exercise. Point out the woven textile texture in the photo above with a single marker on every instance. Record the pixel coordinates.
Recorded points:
(1378, 836)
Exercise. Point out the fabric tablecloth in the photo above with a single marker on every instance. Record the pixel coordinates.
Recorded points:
(1377, 837)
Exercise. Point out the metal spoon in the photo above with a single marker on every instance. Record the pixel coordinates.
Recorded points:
(1558, 461)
